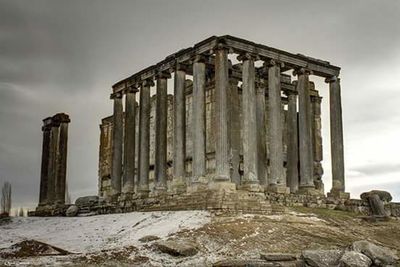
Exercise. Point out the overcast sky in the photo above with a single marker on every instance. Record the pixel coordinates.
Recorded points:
(63, 56)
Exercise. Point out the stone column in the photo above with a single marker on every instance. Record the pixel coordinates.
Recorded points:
(221, 116)
(317, 141)
(116, 164)
(144, 138)
(292, 171)
(179, 149)
(52, 170)
(199, 120)
(234, 130)
(277, 182)
(61, 165)
(250, 147)
(44, 173)
(261, 134)
(337, 154)
(305, 146)
(129, 140)
(161, 133)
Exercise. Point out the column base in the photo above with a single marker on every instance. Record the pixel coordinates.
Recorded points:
(279, 189)
(196, 187)
(221, 186)
(251, 186)
(177, 186)
(338, 194)
(128, 189)
(309, 190)
(159, 191)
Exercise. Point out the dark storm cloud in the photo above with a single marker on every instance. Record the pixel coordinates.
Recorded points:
(65, 55)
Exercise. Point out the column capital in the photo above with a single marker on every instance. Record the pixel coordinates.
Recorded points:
(221, 45)
(316, 99)
(268, 63)
(181, 66)
(200, 58)
(290, 92)
(300, 71)
(247, 56)
(61, 118)
(162, 75)
(332, 79)
(116, 95)
(133, 88)
(147, 83)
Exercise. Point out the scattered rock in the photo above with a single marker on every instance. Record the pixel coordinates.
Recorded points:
(380, 256)
(72, 211)
(177, 248)
(322, 258)
(383, 195)
(277, 257)
(355, 259)
(30, 248)
(245, 263)
(148, 238)
(87, 201)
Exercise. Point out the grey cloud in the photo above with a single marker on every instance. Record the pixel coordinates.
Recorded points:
(378, 169)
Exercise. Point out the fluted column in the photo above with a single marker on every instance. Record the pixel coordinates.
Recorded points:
(317, 141)
(276, 180)
(52, 170)
(44, 173)
(179, 146)
(250, 148)
(61, 165)
(234, 130)
(144, 138)
(161, 133)
(199, 119)
(221, 116)
(117, 137)
(337, 154)
(292, 171)
(261, 134)
(129, 140)
(305, 146)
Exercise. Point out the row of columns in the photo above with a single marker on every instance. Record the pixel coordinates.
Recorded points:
(253, 120)
(54, 160)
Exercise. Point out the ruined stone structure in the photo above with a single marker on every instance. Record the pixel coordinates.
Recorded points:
(243, 128)
(54, 161)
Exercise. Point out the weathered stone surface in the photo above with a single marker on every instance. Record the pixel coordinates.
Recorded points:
(322, 258)
(245, 263)
(72, 211)
(277, 257)
(380, 256)
(354, 259)
(148, 238)
(383, 195)
(175, 248)
(87, 201)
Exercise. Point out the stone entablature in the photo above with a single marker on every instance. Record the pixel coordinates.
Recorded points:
(245, 125)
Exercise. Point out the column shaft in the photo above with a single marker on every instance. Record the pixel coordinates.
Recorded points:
(144, 137)
(116, 164)
(221, 105)
(161, 135)
(179, 127)
(44, 173)
(337, 154)
(199, 121)
(305, 146)
(275, 127)
(52, 170)
(250, 149)
(292, 172)
(62, 163)
(234, 130)
(129, 141)
(261, 134)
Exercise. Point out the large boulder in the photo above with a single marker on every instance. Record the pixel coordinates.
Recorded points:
(380, 256)
(72, 211)
(383, 195)
(322, 258)
(354, 259)
(88, 201)
(177, 248)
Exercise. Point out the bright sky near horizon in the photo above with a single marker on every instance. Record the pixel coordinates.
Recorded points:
(63, 56)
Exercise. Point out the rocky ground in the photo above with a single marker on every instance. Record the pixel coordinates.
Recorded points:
(196, 238)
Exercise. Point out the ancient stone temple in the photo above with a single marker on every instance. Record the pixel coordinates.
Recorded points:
(226, 115)
(54, 162)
